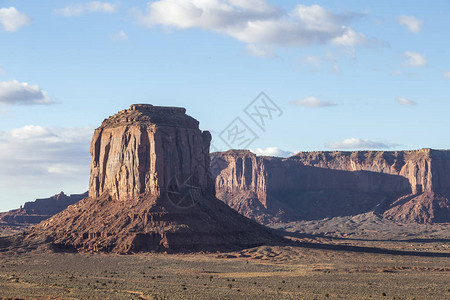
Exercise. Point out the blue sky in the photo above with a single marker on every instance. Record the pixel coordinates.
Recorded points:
(347, 75)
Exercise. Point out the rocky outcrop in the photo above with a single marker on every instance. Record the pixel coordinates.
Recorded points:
(409, 186)
(150, 190)
(35, 211)
(140, 149)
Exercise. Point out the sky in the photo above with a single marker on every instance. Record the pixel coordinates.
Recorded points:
(292, 75)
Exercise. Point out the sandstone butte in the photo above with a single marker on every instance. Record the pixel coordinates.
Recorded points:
(406, 186)
(150, 189)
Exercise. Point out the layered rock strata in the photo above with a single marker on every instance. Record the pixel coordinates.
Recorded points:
(150, 190)
(408, 186)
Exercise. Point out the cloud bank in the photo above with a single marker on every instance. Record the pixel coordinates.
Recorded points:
(257, 23)
(44, 153)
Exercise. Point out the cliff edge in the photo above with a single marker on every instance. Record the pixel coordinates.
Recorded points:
(407, 186)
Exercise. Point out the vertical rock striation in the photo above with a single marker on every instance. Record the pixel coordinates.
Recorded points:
(410, 186)
(150, 189)
(140, 149)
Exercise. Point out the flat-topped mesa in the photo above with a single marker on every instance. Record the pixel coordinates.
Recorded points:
(139, 150)
(150, 190)
(149, 114)
(411, 186)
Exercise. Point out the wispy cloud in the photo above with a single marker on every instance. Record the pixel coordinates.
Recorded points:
(315, 62)
(22, 93)
(121, 36)
(257, 23)
(261, 51)
(11, 19)
(446, 74)
(359, 144)
(405, 101)
(411, 23)
(414, 59)
(271, 151)
(89, 7)
(313, 102)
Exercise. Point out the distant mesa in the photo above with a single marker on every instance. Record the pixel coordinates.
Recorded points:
(405, 186)
(36, 211)
(150, 189)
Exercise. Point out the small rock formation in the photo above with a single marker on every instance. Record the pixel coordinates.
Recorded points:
(407, 186)
(36, 211)
(150, 190)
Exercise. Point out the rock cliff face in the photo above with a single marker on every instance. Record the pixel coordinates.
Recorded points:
(35, 211)
(410, 186)
(139, 150)
(150, 189)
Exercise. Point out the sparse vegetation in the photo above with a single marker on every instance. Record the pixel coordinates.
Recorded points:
(255, 281)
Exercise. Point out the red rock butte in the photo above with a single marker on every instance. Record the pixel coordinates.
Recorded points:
(150, 190)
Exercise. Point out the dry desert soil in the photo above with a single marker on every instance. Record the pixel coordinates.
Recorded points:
(315, 267)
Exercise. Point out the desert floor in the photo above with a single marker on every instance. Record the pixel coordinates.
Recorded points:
(305, 271)
(361, 257)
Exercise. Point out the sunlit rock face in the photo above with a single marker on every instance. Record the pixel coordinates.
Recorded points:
(410, 186)
(139, 150)
(150, 190)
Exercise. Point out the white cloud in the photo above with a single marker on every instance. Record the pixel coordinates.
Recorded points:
(121, 36)
(350, 38)
(256, 23)
(34, 151)
(355, 143)
(312, 102)
(411, 23)
(11, 19)
(89, 7)
(15, 92)
(446, 74)
(271, 151)
(414, 59)
(406, 102)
